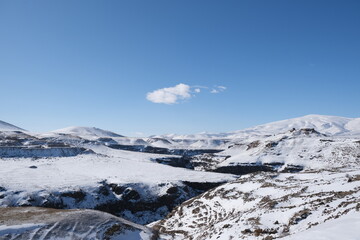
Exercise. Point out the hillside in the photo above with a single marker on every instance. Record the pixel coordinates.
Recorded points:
(4, 126)
(87, 132)
(329, 125)
(288, 179)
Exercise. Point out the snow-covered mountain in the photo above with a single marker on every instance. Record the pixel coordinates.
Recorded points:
(330, 125)
(279, 180)
(87, 132)
(4, 126)
(295, 149)
(68, 171)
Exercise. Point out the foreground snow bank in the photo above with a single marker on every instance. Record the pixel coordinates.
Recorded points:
(43, 223)
(345, 227)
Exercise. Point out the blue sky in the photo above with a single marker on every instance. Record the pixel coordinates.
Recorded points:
(92, 63)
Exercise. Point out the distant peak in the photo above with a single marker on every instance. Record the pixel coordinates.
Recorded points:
(4, 126)
(87, 131)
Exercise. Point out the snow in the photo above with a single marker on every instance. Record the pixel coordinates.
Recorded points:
(330, 125)
(4, 126)
(18, 229)
(310, 151)
(344, 227)
(87, 132)
(37, 167)
(33, 223)
(288, 203)
(87, 170)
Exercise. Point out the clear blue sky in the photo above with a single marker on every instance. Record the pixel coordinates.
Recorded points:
(91, 63)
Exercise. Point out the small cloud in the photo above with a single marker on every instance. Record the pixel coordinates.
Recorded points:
(169, 95)
(172, 95)
(218, 89)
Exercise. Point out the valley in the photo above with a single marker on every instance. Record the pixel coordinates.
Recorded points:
(273, 181)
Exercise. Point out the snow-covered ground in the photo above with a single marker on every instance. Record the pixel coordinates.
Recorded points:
(345, 227)
(87, 170)
(4, 126)
(330, 125)
(299, 147)
(270, 205)
(87, 132)
(32, 223)
(307, 179)
(95, 180)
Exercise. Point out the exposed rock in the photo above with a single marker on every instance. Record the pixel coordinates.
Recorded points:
(29, 223)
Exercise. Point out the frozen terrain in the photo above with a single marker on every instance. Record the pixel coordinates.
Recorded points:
(83, 168)
(4, 126)
(29, 223)
(266, 206)
(290, 179)
(330, 125)
(85, 132)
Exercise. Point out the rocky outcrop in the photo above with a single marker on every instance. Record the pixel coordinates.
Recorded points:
(39, 152)
(137, 202)
(264, 206)
(158, 150)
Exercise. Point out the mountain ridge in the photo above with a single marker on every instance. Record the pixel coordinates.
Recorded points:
(332, 125)
(4, 126)
(87, 131)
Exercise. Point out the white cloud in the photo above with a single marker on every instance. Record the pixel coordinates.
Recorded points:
(170, 95)
(218, 89)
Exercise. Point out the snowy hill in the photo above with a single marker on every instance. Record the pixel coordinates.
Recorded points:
(269, 206)
(283, 179)
(129, 184)
(301, 149)
(87, 132)
(329, 125)
(30, 223)
(4, 126)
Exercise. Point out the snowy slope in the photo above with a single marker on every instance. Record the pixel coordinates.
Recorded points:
(129, 184)
(345, 227)
(88, 170)
(4, 126)
(296, 149)
(30, 223)
(81, 167)
(87, 132)
(268, 206)
(330, 125)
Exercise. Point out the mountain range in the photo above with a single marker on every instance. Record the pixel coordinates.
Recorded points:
(289, 179)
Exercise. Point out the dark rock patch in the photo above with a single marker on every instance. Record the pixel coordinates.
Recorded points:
(77, 195)
(253, 145)
(241, 169)
(202, 186)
